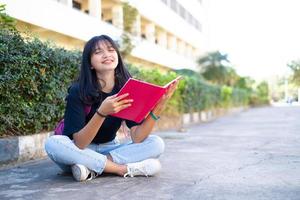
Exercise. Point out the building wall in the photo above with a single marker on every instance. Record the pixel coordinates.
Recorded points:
(166, 33)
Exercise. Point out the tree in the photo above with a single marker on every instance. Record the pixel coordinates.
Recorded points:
(245, 83)
(231, 76)
(215, 67)
(295, 67)
(263, 89)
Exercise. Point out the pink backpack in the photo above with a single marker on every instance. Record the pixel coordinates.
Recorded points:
(60, 126)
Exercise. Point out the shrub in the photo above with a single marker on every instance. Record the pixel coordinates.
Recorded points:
(33, 81)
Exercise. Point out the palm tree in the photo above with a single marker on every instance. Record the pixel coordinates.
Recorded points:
(213, 67)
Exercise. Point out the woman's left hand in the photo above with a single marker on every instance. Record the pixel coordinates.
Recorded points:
(163, 101)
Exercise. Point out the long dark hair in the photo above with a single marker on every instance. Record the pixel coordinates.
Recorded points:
(88, 82)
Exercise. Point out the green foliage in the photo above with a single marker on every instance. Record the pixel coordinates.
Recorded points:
(174, 106)
(189, 72)
(129, 16)
(190, 94)
(193, 93)
(34, 77)
(231, 77)
(240, 97)
(295, 67)
(263, 89)
(245, 83)
(226, 93)
(260, 95)
(126, 45)
(6, 22)
(215, 67)
(213, 59)
(236, 90)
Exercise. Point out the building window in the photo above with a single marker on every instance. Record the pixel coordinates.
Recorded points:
(165, 1)
(174, 5)
(76, 5)
(109, 21)
(183, 13)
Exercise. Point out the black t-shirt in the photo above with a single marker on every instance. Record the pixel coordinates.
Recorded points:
(75, 117)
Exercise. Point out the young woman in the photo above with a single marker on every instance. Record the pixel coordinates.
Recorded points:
(88, 146)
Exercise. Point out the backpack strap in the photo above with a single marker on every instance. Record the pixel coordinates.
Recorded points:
(87, 109)
(60, 126)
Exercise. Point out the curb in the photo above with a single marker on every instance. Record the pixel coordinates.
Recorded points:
(22, 148)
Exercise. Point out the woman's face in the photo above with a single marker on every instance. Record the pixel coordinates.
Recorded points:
(104, 58)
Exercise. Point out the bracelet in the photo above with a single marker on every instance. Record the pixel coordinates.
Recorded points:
(154, 116)
(100, 114)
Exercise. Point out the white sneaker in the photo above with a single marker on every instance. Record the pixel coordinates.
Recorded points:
(81, 173)
(147, 168)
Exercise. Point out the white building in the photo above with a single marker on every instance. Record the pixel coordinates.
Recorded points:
(167, 33)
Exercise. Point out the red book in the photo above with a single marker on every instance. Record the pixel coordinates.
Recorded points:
(145, 96)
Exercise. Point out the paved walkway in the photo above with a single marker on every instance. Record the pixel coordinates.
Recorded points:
(251, 155)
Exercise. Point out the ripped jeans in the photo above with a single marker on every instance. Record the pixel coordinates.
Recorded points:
(62, 150)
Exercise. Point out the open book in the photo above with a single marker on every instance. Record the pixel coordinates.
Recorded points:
(145, 96)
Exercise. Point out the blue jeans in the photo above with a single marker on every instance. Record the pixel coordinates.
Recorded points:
(62, 150)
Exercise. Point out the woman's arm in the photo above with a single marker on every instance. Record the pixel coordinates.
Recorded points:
(110, 105)
(85, 136)
(140, 132)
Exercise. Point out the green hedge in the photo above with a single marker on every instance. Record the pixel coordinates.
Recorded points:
(34, 77)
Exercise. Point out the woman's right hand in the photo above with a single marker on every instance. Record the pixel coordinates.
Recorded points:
(114, 104)
(163, 101)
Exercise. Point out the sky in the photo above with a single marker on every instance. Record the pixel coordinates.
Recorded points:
(259, 36)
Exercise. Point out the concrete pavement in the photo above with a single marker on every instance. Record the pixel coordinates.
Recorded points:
(250, 155)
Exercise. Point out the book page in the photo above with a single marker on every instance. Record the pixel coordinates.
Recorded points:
(173, 81)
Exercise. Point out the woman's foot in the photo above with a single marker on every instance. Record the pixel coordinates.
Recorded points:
(81, 173)
(147, 168)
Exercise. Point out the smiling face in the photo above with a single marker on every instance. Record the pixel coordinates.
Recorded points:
(104, 57)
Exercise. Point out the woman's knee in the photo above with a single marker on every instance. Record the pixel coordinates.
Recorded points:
(158, 143)
(54, 143)
(54, 147)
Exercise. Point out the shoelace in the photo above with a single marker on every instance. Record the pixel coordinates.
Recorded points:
(92, 175)
(131, 172)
